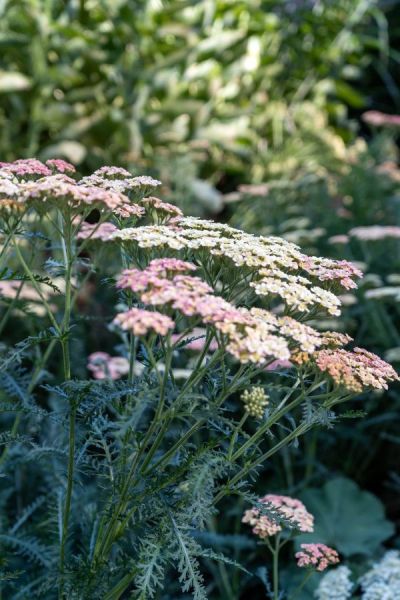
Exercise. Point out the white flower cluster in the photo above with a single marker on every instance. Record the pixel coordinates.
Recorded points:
(382, 582)
(266, 259)
(335, 585)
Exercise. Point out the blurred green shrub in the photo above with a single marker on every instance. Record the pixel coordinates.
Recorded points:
(245, 89)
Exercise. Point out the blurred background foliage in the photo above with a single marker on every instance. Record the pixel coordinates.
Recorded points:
(225, 91)
(249, 111)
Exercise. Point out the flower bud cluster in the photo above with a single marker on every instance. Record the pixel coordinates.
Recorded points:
(255, 400)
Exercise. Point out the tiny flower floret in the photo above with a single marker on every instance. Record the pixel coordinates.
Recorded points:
(316, 556)
(286, 508)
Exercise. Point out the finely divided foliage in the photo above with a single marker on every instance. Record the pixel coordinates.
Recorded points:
(189, 381)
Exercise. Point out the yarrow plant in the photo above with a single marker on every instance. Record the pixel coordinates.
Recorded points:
(205, 353)
(285, 518)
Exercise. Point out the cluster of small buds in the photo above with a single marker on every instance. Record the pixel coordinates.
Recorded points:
(355, 370)
(286, 508)
(140, 322)
(316, 556)
(255, 400)
(383, 580)
(104, 366)
(335, 585)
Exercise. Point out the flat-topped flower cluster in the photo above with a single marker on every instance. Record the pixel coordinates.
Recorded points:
(31, 182)
(214, 278)
(254, 335)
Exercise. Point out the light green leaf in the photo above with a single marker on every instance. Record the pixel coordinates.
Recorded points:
(346, 518)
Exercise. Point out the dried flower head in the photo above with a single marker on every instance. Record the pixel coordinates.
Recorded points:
(316, 556)
(255, 400)
(286, 508)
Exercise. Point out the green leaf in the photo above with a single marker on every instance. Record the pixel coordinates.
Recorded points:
(347, 518)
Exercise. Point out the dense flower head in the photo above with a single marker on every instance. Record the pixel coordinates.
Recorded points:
(255, 400)
(375, 232)
(104, 366)
(326, 269)
(249, 336)
(163, 208)
(141, 322)
(357, 369)
(276, 265)
(62, 190)
(26, 167)
(382, 581)
(121, 181)
(335, 585)
(286, 508)
(60, 166)
(316, 556)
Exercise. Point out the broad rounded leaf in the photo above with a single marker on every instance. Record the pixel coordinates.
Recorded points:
(346, 518)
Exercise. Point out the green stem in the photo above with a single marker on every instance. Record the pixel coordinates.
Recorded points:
(275, 568)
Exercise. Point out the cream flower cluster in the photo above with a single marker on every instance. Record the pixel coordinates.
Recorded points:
(276, 266)
(335, 585)
(316, 556)
(286, 508)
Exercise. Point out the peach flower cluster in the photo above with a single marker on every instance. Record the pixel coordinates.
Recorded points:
(316, 556)
(356, 370)
(285, 508)
(141, 322)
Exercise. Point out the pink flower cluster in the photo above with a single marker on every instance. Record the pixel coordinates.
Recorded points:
(357, 369)
(380, 119)
(104, 366)
(332, 270)
(61, 188)
(140, 322)
(375, 232)
(284, 507)
(161, 207)
(250, 337)
(316, 556)
(34, 167)
(95, 231)
(119, 180)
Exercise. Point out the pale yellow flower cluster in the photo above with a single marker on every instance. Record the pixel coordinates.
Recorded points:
(277, 267)
(255, 400)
